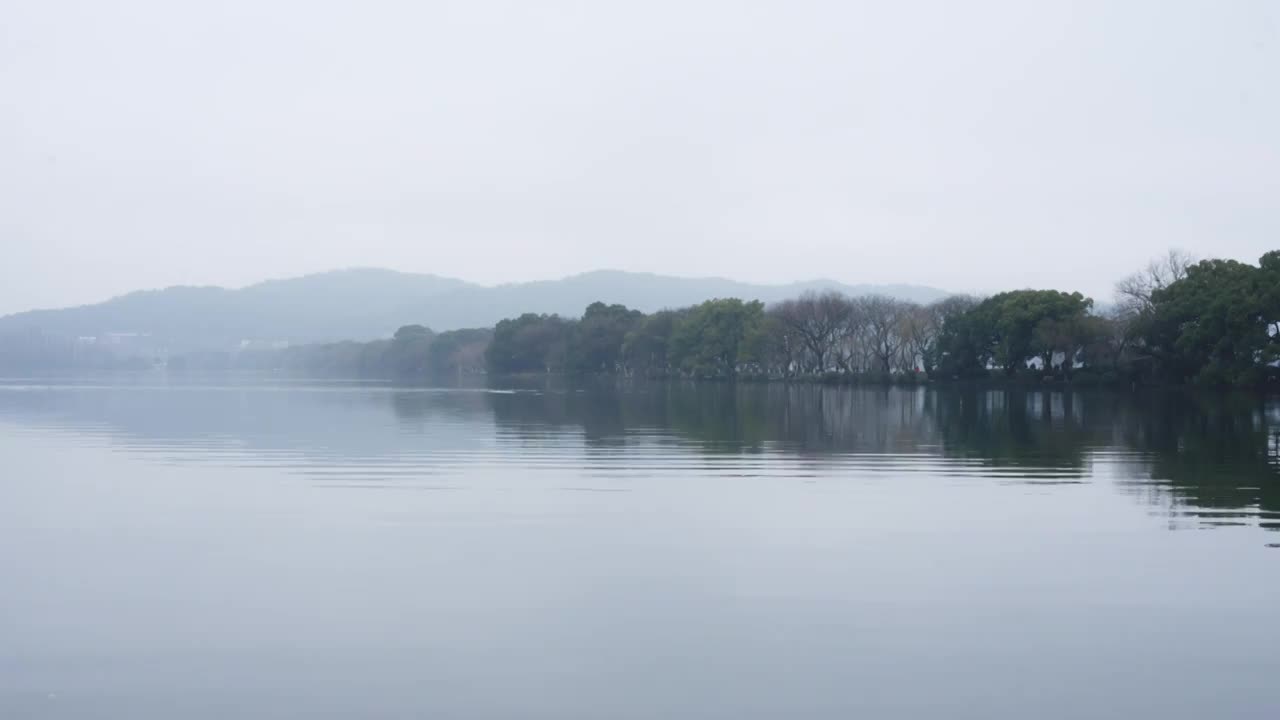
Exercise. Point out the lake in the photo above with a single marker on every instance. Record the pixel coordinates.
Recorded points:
(637, 551)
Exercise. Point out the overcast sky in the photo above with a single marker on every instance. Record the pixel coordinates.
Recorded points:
(965, 145)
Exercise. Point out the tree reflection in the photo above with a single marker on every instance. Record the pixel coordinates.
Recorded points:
(1213, 456)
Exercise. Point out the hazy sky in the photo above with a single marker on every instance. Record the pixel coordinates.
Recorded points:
(966, 145)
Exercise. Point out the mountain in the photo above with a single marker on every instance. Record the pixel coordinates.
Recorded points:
(365, 304)
(479, 306)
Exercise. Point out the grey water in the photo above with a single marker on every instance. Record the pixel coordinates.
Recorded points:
(280, 550)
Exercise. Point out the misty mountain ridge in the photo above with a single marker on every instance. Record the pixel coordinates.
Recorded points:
(370, 303)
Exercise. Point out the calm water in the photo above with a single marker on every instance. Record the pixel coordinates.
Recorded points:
(660, 551)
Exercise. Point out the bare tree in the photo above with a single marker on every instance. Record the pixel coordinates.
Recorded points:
(784, 350)
(1134, 299)
(816, 319)
(884, 317)
(919, 330)
(817, 333)
(1116, 337)
(1133, 293)
(852, 345)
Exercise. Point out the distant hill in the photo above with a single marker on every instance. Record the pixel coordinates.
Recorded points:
(366, 304)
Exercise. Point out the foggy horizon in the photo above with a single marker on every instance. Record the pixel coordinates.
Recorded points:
(1104, 297)
(358, 268)
(146, 146)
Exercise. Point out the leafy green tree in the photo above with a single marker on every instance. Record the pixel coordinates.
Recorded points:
(1069, 336)
(963, 348)
(1012, 328)
(1269, 296)
(1213, 326)
(645, 347)
(459, 351)
(529, 343)
(928, 333)
(718, 336)
(597, 339)
(410, 333)
(407, 355)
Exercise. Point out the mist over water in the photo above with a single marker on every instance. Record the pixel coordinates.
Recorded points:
(635, 550)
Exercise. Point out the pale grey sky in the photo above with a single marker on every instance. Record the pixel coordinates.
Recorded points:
(970, 146)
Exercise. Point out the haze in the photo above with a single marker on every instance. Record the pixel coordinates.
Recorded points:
(964, 146)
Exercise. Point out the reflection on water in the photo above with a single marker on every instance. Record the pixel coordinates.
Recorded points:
(636, 551)
(1211, 458)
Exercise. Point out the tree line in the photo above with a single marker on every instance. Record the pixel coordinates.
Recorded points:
(414, 353)
(1213, 322)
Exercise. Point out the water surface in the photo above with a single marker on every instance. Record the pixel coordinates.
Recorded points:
(344, 550)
